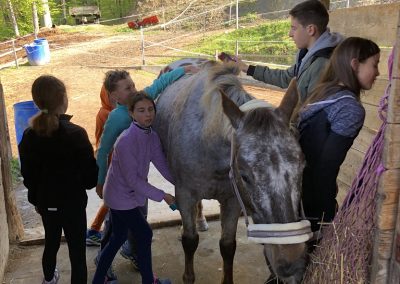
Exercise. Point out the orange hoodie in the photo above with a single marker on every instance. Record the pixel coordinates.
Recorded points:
(103, 113)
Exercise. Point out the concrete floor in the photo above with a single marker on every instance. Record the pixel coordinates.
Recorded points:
(168, 260)
(24, 266)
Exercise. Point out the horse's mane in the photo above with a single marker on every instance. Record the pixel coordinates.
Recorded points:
(221, 77)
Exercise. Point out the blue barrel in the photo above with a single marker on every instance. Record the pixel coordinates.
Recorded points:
(45, 44)
(23, 111)
(35, 53)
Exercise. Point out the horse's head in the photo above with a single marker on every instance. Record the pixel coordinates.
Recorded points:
(268, 165)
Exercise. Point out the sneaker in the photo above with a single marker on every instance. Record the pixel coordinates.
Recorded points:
(130, 257)
(55, 278)
(93, 238)
(162, 281)
(111, 277)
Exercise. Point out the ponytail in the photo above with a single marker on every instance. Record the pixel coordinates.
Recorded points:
(50, 96)
(44, 124)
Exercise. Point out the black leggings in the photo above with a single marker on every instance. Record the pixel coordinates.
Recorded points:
(73, 222)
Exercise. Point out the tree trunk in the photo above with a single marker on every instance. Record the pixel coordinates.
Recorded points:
(35, 19)
(12, 17)
(46, 14)
(64, 11)
(15, 226)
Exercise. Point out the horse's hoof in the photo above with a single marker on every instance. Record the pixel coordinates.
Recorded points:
(202, 225)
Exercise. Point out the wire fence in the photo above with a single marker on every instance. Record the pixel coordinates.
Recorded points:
(199, 18)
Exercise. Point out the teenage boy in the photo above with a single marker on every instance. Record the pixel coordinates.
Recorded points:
(309, 31)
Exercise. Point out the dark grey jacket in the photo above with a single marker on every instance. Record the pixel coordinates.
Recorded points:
(308, 68)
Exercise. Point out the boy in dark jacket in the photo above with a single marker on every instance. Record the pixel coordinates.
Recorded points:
(308, 28)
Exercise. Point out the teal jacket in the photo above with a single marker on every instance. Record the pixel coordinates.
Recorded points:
(119, 120)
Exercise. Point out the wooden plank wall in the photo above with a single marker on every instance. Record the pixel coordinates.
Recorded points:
(15, 226)
(390, 184)
(379, 24)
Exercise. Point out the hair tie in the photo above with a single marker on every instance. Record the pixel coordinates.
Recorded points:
(45, 110)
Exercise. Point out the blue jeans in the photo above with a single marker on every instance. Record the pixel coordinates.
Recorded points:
(129, 246)
(122, 221)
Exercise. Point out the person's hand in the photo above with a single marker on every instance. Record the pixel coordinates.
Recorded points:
(169, 199)
(99, 190)
(191, 69)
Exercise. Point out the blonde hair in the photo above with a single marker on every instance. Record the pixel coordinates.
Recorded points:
(49, 94)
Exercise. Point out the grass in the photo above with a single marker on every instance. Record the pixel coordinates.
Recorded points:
(15, 171)
(265, 40)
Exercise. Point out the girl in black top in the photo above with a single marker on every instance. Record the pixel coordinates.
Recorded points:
(330, 120)
(58, 165)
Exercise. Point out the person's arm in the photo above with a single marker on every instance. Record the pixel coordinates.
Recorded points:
(129, 164)
(161, 83)
(159, 160)
(29, 168)
(112, 129)
(326, 171)
(85, 160)
(276, 77)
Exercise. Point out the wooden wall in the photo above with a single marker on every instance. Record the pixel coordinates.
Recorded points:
(11, 227)
(378, 23)
(4, 242)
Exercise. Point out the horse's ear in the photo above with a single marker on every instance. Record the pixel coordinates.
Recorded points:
(289, 101)
(231, 110)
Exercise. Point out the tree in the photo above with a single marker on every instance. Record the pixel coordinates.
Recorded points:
(46, 14)
(12, 17)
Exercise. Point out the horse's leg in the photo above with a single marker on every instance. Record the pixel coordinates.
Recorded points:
(230, 212)
(201, 222)
(190, 237)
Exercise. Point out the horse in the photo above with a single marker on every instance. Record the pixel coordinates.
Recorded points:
(206, 135)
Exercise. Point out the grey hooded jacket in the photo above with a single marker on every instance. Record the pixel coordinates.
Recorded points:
(308, 68)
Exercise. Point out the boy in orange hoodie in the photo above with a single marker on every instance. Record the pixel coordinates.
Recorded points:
(93, 235)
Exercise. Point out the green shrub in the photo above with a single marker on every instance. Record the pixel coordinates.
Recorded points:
(15, 170)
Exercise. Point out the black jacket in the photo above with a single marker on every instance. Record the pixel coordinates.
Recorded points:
(327, 131)
(57, 170)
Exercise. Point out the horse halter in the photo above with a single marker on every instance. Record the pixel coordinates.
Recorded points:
(277, 233)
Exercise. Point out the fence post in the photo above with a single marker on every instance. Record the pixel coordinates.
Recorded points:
(142, 45)
(15, 54)
(237, 14)
(230, 13)
(237, 48)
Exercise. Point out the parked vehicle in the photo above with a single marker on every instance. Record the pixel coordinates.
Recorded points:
(148, 21)
(85, 14)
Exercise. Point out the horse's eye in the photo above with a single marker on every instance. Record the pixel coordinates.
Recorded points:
(245, 178)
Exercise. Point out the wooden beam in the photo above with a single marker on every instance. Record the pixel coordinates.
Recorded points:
(391, 155)
(15, 225)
